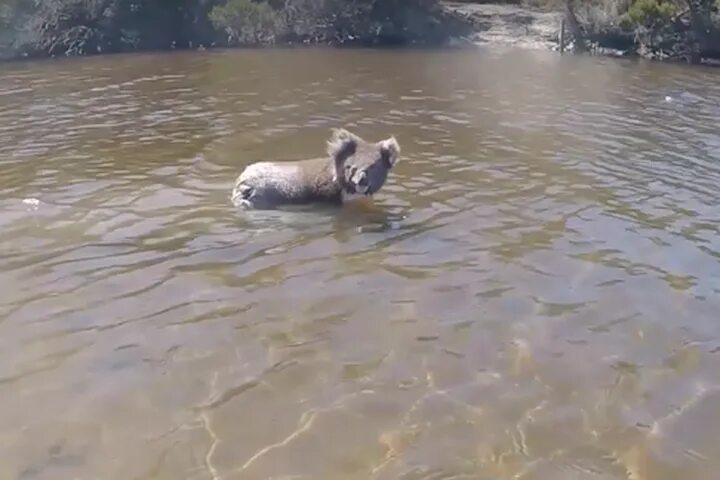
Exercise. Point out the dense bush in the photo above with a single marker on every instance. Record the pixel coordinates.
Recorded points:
(77, 27)
(681, 29)
(650, 13)
(337, 21)
(246, 22)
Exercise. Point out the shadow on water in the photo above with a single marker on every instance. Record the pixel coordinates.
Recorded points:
(362, 216)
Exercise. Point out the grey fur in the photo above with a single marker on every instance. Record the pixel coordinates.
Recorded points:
(353, 167)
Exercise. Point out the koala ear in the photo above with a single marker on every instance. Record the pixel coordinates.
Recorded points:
(341, 144)
(390, 150)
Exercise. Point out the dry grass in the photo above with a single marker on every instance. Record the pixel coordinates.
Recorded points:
(601, 12)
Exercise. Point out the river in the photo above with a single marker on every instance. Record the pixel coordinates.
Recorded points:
(533, 295)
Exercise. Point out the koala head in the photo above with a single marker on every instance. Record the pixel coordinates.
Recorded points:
(361, 167)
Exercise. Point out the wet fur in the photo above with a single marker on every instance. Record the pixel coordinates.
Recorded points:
(352, 168)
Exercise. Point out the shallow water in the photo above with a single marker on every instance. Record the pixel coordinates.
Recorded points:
(533, 295)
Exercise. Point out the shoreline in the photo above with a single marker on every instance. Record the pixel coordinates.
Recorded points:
(494, 25)
(510, 24)
(516, 25)
(474, 44)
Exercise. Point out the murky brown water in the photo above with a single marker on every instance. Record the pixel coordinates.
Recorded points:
(534, 295)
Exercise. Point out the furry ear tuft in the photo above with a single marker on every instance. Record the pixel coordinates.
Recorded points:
(390, 149)
(341, 144)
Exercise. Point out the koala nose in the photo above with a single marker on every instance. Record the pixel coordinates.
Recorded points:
(363, 180)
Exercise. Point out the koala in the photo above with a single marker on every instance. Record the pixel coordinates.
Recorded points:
(354, 168)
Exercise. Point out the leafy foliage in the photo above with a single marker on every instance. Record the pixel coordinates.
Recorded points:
(246, 22)
(78, 27)
(676, 29)
(651, 13)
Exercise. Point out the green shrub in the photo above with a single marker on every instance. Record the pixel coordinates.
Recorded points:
(246, 22)
(337, 22)
(79, 27)
(650, 14)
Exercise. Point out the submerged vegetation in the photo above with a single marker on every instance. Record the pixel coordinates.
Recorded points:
(79, 27)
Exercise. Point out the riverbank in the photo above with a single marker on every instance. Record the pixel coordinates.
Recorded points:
(510, 24)
(662, 30)
(89, 27)
(651, 29)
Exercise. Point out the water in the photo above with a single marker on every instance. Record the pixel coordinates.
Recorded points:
(533, 295)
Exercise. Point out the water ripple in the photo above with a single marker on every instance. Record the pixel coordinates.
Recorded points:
(533, 294)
